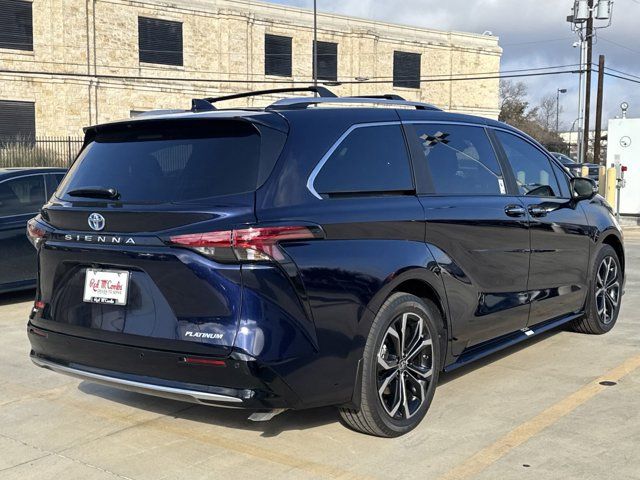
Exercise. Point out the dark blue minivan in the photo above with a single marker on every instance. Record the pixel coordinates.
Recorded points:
(23, 191)
(319, 251)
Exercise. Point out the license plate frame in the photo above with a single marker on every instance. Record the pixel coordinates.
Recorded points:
(106, 286)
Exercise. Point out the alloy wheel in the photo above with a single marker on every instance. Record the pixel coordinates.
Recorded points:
(404, 366)
(607, 290)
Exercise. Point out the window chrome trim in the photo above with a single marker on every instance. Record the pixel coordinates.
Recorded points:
(445, 122)
(314, 173)
(22, 176)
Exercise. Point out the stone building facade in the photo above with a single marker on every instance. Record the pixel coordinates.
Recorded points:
(85, 65)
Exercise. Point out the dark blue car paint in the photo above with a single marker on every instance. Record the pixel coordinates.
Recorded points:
(295, 331)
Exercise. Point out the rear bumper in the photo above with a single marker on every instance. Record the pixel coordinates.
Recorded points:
(183, 394)
(242, 382)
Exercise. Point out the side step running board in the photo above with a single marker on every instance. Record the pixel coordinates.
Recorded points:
(487, 348)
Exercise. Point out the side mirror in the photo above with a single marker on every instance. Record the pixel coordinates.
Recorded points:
(583, 188)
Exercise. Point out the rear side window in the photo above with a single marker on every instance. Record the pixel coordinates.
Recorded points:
(531, 167)
(163, 163)
(22, 195)
(460, 159)
(370, 159)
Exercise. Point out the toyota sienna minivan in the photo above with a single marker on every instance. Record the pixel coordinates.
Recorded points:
(319, 251)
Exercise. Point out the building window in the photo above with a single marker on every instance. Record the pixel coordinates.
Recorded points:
(406, 69)
(327, 61)
(160, 41)
(17, 120)
(277, 55)
(16, 25)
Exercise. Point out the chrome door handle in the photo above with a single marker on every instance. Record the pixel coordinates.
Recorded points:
(515, 211)
(537, 210)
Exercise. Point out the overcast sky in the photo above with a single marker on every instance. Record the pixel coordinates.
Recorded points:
(533, 33)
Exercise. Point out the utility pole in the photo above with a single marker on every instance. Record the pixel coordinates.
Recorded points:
(315, 43)
(587, 95)
(582, 21)
(598, 137)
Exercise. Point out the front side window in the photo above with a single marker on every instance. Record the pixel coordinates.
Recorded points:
(370, 159)
(160, 41)
(531, 167)
(16, 25)
(277, 55)
(21, 196)
(460, 159)
(563, 180)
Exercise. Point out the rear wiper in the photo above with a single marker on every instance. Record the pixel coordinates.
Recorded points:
(94, 192)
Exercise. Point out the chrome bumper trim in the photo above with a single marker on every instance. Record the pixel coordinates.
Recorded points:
(148, 388)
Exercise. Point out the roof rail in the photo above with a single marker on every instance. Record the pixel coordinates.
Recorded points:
(386, 96)
(322, 91)
(304, 102)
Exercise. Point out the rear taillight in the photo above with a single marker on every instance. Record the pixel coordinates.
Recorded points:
(35, 232)
(247, 244)
(208, 362)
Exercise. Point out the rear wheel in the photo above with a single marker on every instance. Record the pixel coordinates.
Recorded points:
(400, 369)
(603, 303)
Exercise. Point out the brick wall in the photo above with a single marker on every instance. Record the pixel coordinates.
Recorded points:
(90, 44)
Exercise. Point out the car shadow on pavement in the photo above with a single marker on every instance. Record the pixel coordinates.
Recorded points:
(286, 421)
(220, 417)
(11, 298)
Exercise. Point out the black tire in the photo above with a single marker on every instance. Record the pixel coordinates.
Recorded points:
(597, 320)
(415, 369)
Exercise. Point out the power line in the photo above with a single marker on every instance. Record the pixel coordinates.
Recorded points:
(535, 42)
(149, 67)
(620, 45)
(623, 73)
(622, 78)
(465, 77)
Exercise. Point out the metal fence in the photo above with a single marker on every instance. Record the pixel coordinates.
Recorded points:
(39, 151)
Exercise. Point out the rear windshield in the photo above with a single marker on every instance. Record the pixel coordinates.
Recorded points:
(157, 163)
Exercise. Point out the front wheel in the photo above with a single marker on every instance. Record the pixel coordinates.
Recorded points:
(400, 369)
(605, 294)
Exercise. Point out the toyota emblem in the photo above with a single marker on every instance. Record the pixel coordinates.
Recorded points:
(96, 222)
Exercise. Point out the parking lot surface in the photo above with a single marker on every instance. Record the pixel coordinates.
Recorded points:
(535, 411)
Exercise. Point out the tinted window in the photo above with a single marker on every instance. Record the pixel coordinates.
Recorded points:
(17, 120)
(369, 159)
(277, 55)
(22, 195)
(160, 41)
(563, 181)
(406, 69)
(327, 61)
(461, 160)
(16, 25)
(56, 178)
(183, 163)
(531, 167)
